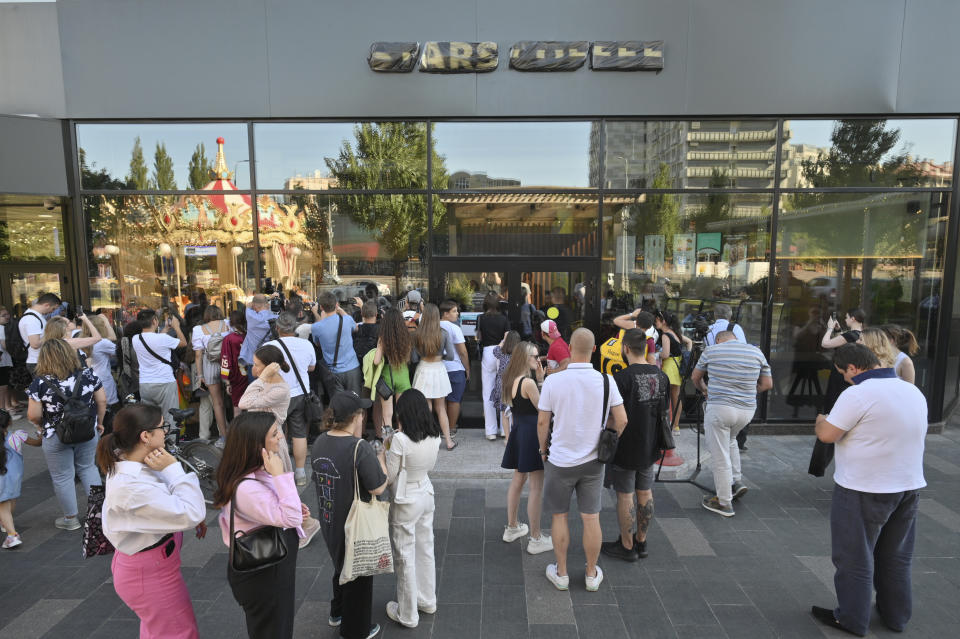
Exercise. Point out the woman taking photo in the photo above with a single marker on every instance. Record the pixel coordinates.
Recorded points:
(854, 319)
(413, 449)
(149, 502)
(207, 341)
(64, 329)
(57, 376)
(906, 343)
(431, 377)
(393, 348)
(522, 394)
(336, 454)
(670, 348)
(492, 325)
(98, 356)
(252, 473)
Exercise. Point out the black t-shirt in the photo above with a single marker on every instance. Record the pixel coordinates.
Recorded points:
(492, 326)
(333, 475)
(365, 339)
(644, 389)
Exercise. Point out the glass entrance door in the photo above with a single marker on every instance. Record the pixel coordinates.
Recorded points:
(20, 287)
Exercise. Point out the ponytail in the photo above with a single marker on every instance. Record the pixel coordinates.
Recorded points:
(107, 457)
(128, 423)
(270, 354)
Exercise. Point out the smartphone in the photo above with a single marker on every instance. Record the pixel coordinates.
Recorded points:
(833, 316)
(79, 311)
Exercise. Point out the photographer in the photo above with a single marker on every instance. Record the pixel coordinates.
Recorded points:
(722, 314)
(259, 315)
(158, 386)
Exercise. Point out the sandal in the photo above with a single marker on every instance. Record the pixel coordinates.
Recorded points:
(455, 444)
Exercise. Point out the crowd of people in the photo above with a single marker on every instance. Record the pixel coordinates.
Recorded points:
(318, 371)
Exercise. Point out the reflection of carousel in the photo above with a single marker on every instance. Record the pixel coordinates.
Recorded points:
(205, 224)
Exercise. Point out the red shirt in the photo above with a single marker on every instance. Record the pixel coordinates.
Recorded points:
(230, 367)
(557, 352)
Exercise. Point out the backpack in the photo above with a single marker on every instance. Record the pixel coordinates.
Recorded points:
(78, 417)
(214, 345)
(15, 344)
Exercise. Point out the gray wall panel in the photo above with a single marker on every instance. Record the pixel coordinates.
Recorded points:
(177, 58)
(31, 156)
(318, 58)
(930, 57)
(31, 79)
(815, 56)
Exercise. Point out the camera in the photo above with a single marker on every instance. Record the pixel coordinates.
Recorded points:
(698, 327)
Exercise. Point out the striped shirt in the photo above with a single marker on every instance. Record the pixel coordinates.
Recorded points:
(734, 369)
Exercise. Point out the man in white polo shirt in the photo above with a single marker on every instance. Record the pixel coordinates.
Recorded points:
(878, 426)
(32, 323)
(574, 398)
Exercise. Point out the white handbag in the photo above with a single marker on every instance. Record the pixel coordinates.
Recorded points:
(366, 535)
(400, 485)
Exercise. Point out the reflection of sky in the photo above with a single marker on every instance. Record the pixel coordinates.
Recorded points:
(923, 139)
(536, 153)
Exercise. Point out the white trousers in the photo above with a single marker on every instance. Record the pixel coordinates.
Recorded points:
(720, 426)
(488, 367)
(411, 529)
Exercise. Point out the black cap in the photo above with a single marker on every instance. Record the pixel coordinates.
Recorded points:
(346, 403)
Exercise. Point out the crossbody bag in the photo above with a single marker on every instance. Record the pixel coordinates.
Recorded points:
(313, 406)
(607, 446)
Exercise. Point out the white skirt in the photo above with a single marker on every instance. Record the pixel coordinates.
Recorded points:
(432, 380)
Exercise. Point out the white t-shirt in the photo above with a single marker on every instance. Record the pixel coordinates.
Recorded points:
(5, 359)
(722, 325)
(102, 351)
(574, 396)
(886, 422)
(304, 357)
(152, 370)
(32, 323)
(456, 336)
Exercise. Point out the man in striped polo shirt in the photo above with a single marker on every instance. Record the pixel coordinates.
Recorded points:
(738, 372)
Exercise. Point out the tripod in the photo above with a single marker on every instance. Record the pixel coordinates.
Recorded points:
(698, 407)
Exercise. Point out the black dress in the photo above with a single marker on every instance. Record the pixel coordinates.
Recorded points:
(523, 447)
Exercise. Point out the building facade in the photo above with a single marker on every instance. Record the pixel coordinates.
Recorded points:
(788, 182)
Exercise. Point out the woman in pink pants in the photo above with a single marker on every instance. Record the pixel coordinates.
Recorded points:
(149, 501)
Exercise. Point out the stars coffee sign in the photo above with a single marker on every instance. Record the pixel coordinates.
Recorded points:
(532, 56)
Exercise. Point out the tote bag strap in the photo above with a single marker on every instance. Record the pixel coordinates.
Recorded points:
(356, 478)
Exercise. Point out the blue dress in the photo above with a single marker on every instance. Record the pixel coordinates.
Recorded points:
(11, 480)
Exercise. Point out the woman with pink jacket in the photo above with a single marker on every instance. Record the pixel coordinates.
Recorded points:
(266, 495)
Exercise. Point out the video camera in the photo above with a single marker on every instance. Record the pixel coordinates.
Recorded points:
(698, 327)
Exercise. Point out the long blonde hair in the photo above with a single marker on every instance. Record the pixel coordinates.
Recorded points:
(57, 359)
(876, 340)
(518, 366)
(100, 323)
(429, 335)
(56, 328)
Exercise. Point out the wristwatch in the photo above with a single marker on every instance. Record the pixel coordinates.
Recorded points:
(541, 451)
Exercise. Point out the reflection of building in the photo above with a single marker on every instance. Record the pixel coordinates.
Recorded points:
(316, 182)
(933, 174)
(467, 180)
(794, 155)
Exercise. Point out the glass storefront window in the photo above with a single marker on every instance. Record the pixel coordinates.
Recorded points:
(31, 229)
(533, 224)
(345, 244)
(868, 153)
(692, 154)
(881, 252)
(514, 155)
(157, 251)
(685, 253)
(318, 157)
(148, 157)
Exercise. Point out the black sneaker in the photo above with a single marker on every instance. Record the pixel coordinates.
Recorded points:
(641, 548)
(713, 504)
(738, 490)
(616, 550)
(826, 617)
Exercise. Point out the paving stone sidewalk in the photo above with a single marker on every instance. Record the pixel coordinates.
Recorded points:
(754, 575)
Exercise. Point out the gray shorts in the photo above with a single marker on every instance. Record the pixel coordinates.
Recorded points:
(352, 380)
(296, 423)
(627, 481)
(559, 483)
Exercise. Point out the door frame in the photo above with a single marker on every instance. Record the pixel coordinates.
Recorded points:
(513, 266)
(67, 289)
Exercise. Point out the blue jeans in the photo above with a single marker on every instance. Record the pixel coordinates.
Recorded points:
(66, 460)
(873, 536)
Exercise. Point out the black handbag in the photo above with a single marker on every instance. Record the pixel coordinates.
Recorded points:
(820, 458)
(313, 406)
(384, 391)
(607, 446)
(94, 541)
(256, 549)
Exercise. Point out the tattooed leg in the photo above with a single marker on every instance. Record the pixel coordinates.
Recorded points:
(644, 513)
(626, 517)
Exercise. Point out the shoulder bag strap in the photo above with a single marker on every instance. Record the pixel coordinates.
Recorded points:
(606, 396)
(293, 364)
(233, 512)
(393, 397)
(78, 386)
(55, 387)
(336, 349)
(150, 350)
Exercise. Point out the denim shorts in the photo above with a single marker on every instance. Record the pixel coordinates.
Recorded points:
(458, 381)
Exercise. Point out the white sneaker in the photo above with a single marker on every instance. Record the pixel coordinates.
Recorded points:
(561, 583)
(393, 612)
(540, 544)
(513, 534)
(430, 610)
(491, 438)
(310, 527)
(12, 541)
(65, 523)
(593, 583)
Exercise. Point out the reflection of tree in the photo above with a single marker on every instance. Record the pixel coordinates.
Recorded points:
(659, 214)
(163, 169)
(199, 168)
(716, 207)
(389, 155)
(137, 178)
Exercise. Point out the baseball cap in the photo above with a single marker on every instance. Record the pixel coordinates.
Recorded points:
(549, 328)
(346, 403)
(414, 297)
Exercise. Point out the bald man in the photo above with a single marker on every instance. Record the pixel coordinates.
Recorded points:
(574, 398)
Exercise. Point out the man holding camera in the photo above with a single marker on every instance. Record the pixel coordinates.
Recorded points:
(158, 386)
(259, 316)
(738, 372)
(878, 426)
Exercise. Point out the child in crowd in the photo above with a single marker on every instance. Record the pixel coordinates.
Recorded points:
(502, 353)
(11, 476)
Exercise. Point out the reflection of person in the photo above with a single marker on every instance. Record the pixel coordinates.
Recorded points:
(807, 361)
(738, 372)
(854, 319)
(878, 426)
